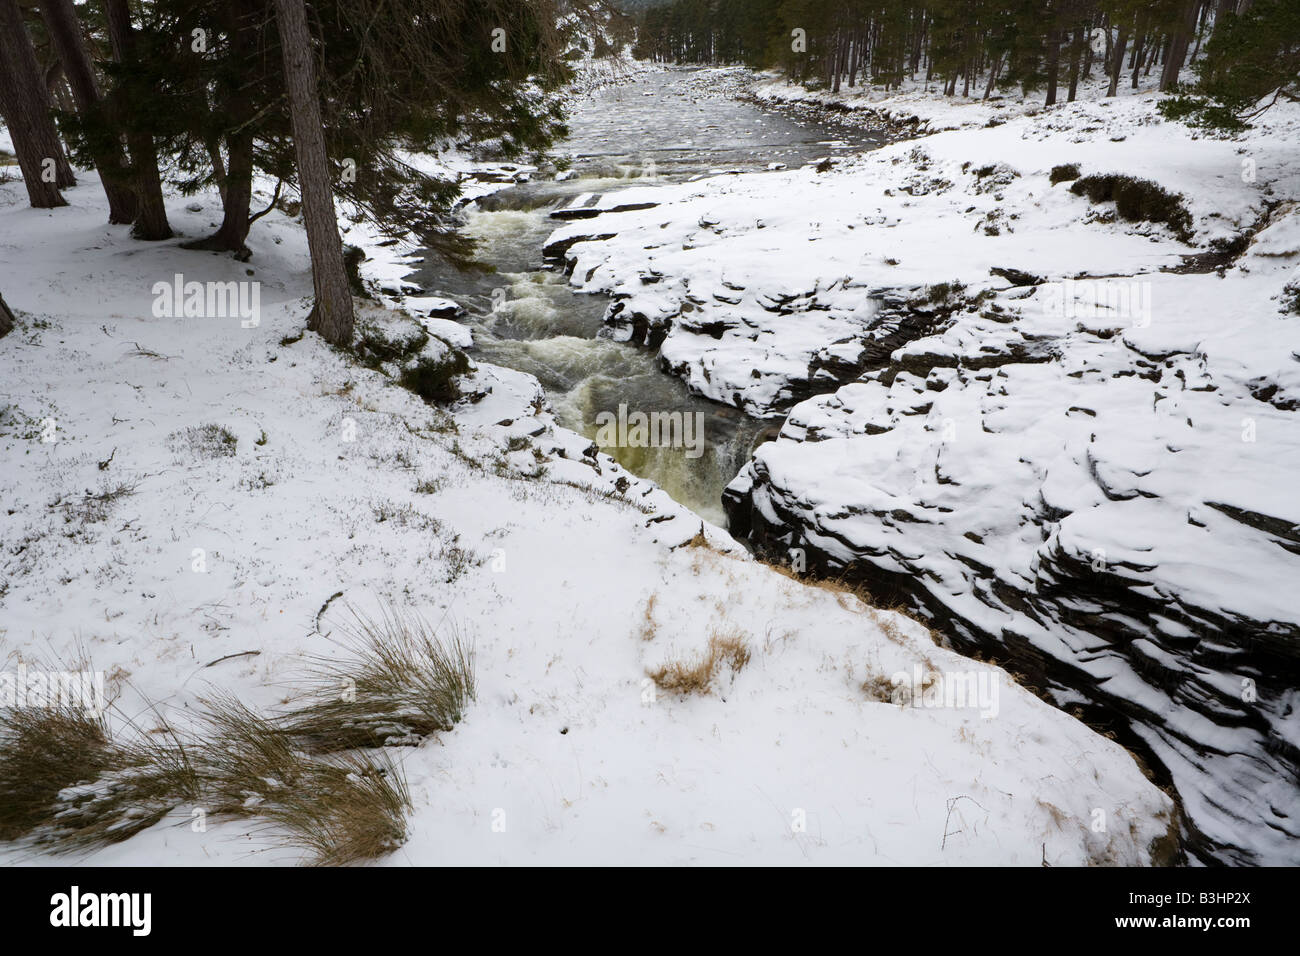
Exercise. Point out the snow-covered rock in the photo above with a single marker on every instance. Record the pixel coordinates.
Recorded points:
(1005, 413)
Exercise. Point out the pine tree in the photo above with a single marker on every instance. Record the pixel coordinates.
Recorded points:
(25, 107)
(64, 28)
(331, 315)
(151, 212)
(1251, 61)
(394, 75)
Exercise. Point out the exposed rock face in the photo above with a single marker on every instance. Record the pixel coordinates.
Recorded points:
(1060, 455)
(1097, 507)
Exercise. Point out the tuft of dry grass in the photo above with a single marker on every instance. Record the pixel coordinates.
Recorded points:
(698, 675)
(66, 783)
(204, 441)
(400, 684)
(93, 506)
(348, 810)
(699, 540)
(855, 596)
(343, 810)
(840, 586)
(650, 627)
(151, 776)
(880, 688)
(243, 758)
(42, 751)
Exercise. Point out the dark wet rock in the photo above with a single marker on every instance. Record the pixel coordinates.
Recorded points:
(557, 247)
(1016, 277)
(1082, 532)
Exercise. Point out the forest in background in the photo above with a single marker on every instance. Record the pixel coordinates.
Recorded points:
(1243, 49)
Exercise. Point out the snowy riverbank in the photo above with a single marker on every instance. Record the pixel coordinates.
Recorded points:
(1040, 425)
(180, 567)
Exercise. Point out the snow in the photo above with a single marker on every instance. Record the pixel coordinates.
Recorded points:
(1116, 444)
(561, 740)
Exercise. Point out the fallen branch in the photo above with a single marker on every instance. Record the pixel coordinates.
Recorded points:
(325, 607)
(232, 656)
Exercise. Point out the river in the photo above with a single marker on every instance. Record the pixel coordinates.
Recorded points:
(658, 127)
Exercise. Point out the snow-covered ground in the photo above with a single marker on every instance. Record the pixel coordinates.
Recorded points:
(1085, 461)
(569, 595)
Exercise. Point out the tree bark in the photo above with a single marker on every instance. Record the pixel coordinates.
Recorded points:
(332, 315)
(1224, 9)
(25, 104)
(65, 33)
(7, 319)
(151, 211)
(1076, 53)
(237, 191)
(1121, 41)
(994, 70)
(1176, 55)
(1053, 64)
(218, 166)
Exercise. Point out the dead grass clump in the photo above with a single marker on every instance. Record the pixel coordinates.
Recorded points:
(42, 751)
(888, 625)
(95, 506)
(841, 586)
(350, 809)
(400, 684)
(343, 810)
(66, 783)
(204, 441)
(700, 540)
(429, 486)
(650, 627)
(880, 688)
(152, 776)
(698, 675)
(243, 758)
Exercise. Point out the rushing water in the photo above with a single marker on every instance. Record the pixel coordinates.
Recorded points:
(673, 126)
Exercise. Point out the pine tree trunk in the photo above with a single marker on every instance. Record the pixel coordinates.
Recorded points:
(332, 315)
(1121, 41)
(65, 33)
(237, 193)
(1076, 53)
(1053, 64)
(151, 211)
(7, 319)
(1178, 44)
(236, 200)
(25, 105)
(855, 58)
(1224, 10)
(994, 70)
(837, 62)
(213, 147)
